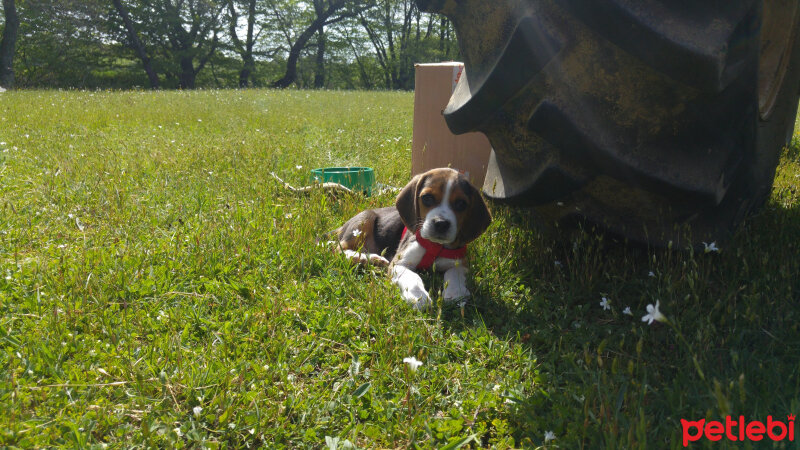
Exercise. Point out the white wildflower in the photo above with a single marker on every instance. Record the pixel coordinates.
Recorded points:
(712, 247)
(653, 314)
(197, 410)
(413, 363)
(356, 233)
(651, 274)
(627, 311)
(298, 167)
(605, 304)
(549, 436)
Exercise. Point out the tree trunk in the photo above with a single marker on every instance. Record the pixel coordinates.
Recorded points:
(294, 55)
(137, 44)
(362, 71)
(442, 29)
(248, 66)
(8, 44)
(319, 70)
(380, 51)
(244, 49)
(447, 40)
(188, 73)
(365, 79)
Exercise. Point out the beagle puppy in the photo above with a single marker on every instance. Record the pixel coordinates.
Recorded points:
(435, 216)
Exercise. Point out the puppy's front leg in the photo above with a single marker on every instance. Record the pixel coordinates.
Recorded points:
(455, 282)
(411, 287)
(366, 258)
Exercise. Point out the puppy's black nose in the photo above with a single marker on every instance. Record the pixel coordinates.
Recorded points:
(441, 226)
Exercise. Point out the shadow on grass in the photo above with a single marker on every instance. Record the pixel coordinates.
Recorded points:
(607, 377)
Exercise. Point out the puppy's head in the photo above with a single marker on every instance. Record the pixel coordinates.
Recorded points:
(444, 207)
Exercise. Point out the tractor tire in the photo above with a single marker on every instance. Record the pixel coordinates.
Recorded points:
(658, 120)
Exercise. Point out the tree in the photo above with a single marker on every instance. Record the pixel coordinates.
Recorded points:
(136, 43)
(381, 25)
(394, 28)
(244, 49)
(350, 44)
(181, 35)
(8, 43)
(325, 12)
(319, 67)
(357, 44)
(190, 48)
(64, 44)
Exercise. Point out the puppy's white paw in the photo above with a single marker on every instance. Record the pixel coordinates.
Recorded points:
(417, 297)
(411, 287)
(455, 292)
(378, 260)
(455, 285)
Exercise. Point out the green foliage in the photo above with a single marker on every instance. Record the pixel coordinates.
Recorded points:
(401, 35)
(158, 288)
(85, 44)
(59, 45)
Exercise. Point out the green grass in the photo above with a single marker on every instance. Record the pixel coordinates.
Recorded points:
(159, 288)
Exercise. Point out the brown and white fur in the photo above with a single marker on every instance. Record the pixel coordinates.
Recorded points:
(440, 204)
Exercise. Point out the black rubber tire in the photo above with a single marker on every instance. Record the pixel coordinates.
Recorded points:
(641, 116)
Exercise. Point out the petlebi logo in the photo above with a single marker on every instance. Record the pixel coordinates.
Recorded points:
(738, 430)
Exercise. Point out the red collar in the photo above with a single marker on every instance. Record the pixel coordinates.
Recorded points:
(434, 250)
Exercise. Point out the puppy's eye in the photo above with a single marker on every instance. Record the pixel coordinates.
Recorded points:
(459, 205)
(428, 200)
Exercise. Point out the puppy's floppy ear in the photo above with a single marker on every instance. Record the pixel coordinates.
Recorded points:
(407, 204)
(477, 220)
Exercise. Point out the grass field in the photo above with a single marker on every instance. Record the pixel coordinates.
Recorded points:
(159, 288)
